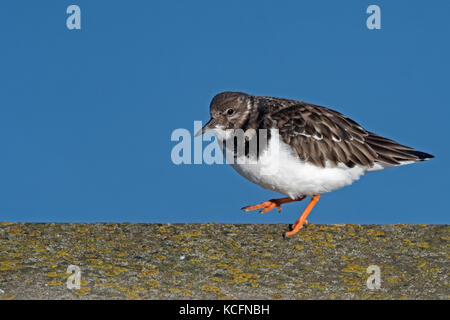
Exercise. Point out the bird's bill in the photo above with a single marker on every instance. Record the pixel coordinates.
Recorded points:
(210, 125)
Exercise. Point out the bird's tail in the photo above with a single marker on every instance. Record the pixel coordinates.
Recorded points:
(393, 153)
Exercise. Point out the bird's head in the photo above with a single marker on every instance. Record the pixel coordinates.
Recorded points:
(228, 110)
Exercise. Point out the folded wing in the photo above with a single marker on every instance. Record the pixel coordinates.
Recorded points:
(318, 134)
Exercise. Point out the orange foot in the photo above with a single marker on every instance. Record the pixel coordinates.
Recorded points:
(271, 204)
(302, 220)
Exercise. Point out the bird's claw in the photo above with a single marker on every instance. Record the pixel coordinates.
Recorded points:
(265, 207)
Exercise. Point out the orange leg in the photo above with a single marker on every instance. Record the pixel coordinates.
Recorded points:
(299, 223)
(271, 204)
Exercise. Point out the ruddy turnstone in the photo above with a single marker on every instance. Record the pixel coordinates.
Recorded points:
(310, 150)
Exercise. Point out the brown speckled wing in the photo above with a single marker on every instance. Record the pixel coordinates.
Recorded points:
(318, 134)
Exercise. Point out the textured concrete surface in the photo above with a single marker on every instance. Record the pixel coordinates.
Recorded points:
(220, 261)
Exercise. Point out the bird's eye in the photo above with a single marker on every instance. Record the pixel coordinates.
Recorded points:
(230, 112)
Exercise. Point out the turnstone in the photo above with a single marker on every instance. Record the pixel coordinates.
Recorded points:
(310, 150)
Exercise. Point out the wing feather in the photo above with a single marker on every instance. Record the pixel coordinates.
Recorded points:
(319, 135)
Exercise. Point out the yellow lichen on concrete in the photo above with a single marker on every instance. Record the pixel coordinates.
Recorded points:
(54, 283)
(132, 261)
(354, 268)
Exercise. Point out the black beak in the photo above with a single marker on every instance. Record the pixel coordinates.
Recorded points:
(211, 124)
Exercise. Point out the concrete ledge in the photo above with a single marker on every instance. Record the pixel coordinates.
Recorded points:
(222, 261)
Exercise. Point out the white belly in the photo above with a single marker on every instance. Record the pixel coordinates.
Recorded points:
(279, 169)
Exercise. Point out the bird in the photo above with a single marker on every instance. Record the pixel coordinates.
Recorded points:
(306, 150)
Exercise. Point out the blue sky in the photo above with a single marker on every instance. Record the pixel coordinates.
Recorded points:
(86, 115)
